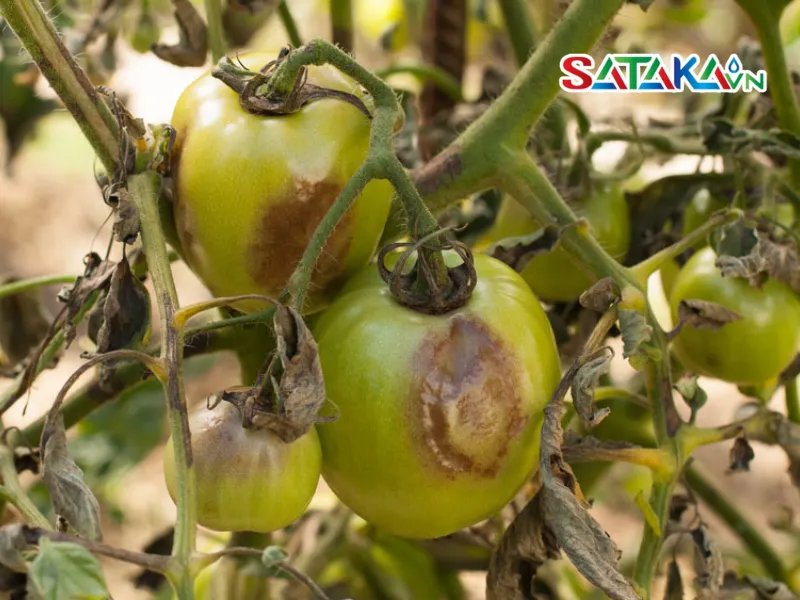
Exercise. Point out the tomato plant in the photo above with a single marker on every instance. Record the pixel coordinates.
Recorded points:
(312, 154)
(440, 416)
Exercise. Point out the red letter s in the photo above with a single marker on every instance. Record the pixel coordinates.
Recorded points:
(575, 67)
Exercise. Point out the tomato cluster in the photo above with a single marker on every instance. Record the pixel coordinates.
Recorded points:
(438, 414)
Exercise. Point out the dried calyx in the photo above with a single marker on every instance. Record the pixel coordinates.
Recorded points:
(422, 287)
(290, 389)
(256, 97)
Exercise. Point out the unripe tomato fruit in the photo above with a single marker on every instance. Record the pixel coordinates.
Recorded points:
(554, 276)
(246, 479)
(699, 210)
(752, 350)
(251, 189)
(439, 415)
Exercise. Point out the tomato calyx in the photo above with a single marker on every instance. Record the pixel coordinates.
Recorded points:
(289, 390)
(256, 97)
(420, 289)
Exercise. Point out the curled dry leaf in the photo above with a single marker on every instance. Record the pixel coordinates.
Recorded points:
(741, 455)
(701, 314)
(12, 544)
(518, 251)
(125, 312)
(126, 218)
(525, 546)
(290, 391)
(637, 337)
(708, 561)
(192, 47)
(588, 448)
(72, 498)
(692, 393)
(601, 295)
(787, 435)
(96, 277)
(583, 540)
(674, 590)
(583, 384)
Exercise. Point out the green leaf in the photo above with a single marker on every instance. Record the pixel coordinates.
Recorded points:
(272, 558)
(67, 571)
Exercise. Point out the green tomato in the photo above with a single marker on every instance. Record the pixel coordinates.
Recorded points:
(554, 276)
(749, 351)
(251, 189)
(246, 479)
(439, 415)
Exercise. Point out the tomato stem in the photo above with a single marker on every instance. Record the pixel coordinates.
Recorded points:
(792, 401)
(143, 189)
(29, 22)
(216, 36)
(426, 72)
(11, 491)
(647, 267)
(26, 285)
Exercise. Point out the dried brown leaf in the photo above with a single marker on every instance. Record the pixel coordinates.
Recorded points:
(126, 312)
(96, 277)
(192, 47)
(674, 590)
(708, 562)
(701, 314)
(601, 295)
(126, 218)
(741, 455)
(517, 252)
(583, 384)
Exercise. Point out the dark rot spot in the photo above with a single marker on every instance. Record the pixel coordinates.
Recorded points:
(284, 229)
(465, 402)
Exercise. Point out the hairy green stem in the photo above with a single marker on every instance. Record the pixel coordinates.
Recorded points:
(26, 285)
(426, 72)
(747, 532)
(342, 24)
(11, 491)
(289, 24)
(143, 189)
(38, 35)
(666, 143)
(216, 36)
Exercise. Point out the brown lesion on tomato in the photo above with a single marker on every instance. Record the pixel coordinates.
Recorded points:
(284, 230)
(465, 401)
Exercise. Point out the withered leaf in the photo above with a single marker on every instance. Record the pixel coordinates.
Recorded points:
(674, 589)
(24, 323)
(290, 390)
(741, 455)
(518, 251)
(692, 393)
(589, 448)
(678, 505)
(637, 337)
(787, 435)
(737, 239)
(192, 47)
(126, 218)
(768, 589)
(708, 561)
(702, 314)
(601, 295)
(583, 384)
(12, 544)
(72, 498)
(96, 277)
(582, 538)
(126, 312)
(525, 546)
(780, 261)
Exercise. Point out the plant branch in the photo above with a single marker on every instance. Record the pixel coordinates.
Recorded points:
(216, 36)
(792, 400)
(11, 491)
(656, 459)
(143, 189)
(289, 24)
(426, 72)
(38, 35)
(747, 532)
(26, 285)
(663, 142)
(520, 28)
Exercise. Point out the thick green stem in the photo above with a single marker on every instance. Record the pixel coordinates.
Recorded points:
(26, 285)
(342, 24)
(792, 401)
(747, 532)
(143, 189)
(289, 24)
(30, 23)
(216, 35)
